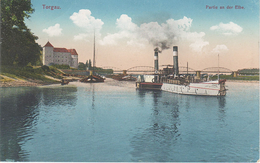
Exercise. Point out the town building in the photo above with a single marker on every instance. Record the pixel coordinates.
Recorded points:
(59, 56)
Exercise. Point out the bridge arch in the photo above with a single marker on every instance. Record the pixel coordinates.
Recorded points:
(217, 69)
(184, 69)
(111, 67)
(141, 69)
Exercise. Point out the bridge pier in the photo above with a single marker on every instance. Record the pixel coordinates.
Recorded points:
(124, 72)
(234, 74)
(198, 74)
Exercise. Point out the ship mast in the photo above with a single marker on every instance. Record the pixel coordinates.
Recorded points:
(218, 67)
(94, 61)
(187, 68)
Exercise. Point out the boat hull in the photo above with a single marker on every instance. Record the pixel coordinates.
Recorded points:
(203, 89)
(149, 85)
(92, 79)
(183, 86)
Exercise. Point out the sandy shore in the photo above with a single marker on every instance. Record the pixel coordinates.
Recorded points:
(20, 83)
(15, 82)
(11, 82)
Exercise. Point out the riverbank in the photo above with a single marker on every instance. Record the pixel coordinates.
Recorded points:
(20, 84)
(244, 81)
(35, 83)
(12, 76)
(14, 82)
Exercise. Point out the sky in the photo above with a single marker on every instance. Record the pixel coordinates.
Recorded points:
(128, 31)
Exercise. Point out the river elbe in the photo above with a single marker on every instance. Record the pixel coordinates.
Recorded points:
(114, 122)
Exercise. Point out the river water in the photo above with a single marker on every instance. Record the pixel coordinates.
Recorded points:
(112, 121)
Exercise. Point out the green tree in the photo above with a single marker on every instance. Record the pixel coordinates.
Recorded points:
(82, 66)
(18, 43)
(89, 64)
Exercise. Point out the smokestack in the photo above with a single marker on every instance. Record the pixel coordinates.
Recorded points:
(156, 68)
(175, 61)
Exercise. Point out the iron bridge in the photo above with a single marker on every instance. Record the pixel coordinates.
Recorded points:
(182, 69)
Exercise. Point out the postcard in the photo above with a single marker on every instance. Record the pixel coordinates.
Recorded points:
(129, 81)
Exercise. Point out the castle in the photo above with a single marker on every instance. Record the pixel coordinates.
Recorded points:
(60, 56)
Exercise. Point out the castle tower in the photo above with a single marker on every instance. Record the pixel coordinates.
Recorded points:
(74, 58)
(47, 54)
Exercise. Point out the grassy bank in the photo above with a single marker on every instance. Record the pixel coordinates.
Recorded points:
(30, 73)
(230, 77)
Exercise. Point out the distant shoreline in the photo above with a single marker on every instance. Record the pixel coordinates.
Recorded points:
(36, 83)
(243, 81)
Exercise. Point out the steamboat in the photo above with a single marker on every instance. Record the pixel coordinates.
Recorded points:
(180, 84)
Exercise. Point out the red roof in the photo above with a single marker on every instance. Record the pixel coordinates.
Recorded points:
(48, 44)
(60, 50)
(73, 51)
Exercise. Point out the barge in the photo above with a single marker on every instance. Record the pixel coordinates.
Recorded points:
(92, 79)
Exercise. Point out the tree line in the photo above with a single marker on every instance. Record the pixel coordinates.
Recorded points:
(18, 46)
(88, 66)
(85, 66)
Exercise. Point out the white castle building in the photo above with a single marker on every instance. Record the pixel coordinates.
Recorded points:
(59, 56)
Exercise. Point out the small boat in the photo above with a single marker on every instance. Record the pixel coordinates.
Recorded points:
(122, 77)
(129, 78)
(92, 79)
(64, 82)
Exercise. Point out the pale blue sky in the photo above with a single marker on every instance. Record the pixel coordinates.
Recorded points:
(144, 11)
(239, 27)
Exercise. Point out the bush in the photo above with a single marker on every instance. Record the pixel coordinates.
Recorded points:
(62, 66)
(28, 68)
(45, 68)
(230, 77)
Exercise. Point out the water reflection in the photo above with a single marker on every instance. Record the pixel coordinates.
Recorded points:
(215, 104)
(20, 112)
(18, 116)
(141, 95)
(96, 120)
(222, 109)
(222, 102)
(218, 103)
(59, 95)
(155, 142)
(93, 96)
(155, 94)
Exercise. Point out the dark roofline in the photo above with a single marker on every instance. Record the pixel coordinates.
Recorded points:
(48, 44)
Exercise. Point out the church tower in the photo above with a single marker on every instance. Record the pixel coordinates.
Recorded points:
(47, 54)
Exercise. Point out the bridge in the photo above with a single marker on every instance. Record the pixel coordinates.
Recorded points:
(182, 69)
(216, 70)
